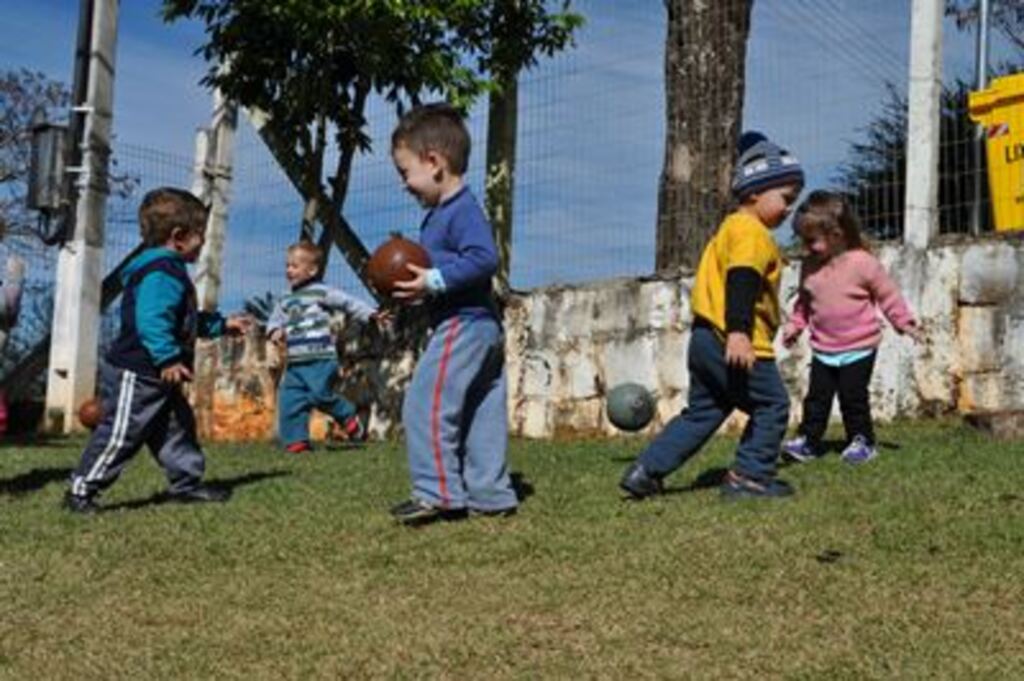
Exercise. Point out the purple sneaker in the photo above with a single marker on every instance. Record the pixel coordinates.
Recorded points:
(859, 451)
(798, 450)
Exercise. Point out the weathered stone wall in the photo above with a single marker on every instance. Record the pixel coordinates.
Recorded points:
(568, 345)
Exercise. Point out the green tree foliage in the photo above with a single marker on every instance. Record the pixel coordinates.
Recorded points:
(310, 65)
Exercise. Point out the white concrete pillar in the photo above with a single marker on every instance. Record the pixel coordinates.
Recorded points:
(71, 376)
(923, 120)
(214, 187)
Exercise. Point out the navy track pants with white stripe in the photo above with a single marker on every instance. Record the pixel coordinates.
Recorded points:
(140, 410)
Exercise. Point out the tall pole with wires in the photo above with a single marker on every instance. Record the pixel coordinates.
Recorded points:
(74, 348)
(981, 82)
(923, 121)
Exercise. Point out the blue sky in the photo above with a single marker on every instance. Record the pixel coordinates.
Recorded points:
(591, 126)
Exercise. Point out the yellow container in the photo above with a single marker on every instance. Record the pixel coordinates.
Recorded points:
(1000, 110)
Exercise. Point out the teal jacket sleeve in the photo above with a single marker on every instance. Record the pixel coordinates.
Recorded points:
(156, 298)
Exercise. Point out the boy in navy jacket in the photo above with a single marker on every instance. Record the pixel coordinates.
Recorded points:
(454, 413)
(140, 381)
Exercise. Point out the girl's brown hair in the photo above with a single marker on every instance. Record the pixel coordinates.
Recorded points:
(830, 213)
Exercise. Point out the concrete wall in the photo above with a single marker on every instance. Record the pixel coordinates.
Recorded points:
(568, 345)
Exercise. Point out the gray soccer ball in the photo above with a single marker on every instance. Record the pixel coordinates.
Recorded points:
(629, 406)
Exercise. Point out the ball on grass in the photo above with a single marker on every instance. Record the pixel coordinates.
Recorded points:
(629, 406)
(90, 413)
(388, 263)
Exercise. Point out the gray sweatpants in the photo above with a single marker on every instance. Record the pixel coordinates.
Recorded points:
(140, 410)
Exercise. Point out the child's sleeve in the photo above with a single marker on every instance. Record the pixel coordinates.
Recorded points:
(339, 300)
(888, 297)
(476, 254)
(277, 319)
(748, 259)
(156, 299)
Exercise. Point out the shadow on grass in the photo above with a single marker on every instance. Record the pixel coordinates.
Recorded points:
(32, 481)
(229, 484)
(523, 487)
(26, 441)
(712, 477)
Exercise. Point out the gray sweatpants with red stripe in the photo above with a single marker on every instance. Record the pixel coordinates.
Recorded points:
(456, 419)
(140, 410)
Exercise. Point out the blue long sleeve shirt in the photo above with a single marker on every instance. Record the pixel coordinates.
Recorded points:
(461, 246)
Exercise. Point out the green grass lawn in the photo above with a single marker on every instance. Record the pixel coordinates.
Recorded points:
(911, 567)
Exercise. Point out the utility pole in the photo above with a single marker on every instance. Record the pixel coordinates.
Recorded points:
(923, 120)
(981, 82)
(212, 184)
(71, 378)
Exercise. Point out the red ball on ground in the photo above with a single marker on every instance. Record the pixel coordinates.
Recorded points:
(90, 413)
(388, 263)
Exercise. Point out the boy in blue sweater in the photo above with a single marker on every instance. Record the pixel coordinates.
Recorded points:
(140, 381)
(301, 321)
(454, 413)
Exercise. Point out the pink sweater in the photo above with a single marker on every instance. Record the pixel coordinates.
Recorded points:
(838, 301)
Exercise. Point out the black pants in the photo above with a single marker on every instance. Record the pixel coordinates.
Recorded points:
(851, 382)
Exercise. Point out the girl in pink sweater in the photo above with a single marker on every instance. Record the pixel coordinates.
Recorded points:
(842, 287)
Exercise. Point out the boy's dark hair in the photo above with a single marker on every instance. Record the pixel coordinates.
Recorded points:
(167, 208)
(435, 127)
(831, 214)
(310, 249)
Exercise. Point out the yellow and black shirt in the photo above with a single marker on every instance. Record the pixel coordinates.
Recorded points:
(741, 243)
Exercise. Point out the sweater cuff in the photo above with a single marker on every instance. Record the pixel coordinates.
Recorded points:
(435, 282)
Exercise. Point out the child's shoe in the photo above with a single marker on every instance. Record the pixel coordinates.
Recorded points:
(798, 450)
(74, 503)
(859, 451)
(415, 512)
(739, 486)
(300, 447)
(203, 494)
(638, 483)
(355, 427)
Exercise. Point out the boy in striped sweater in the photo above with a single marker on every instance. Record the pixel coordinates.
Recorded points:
(301, 321)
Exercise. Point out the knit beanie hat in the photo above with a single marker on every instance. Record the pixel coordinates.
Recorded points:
(763, 165)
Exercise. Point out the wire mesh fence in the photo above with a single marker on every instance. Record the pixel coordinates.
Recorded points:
(826, 78)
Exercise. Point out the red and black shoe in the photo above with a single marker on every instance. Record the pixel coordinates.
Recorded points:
(355, 427)
(300, 447)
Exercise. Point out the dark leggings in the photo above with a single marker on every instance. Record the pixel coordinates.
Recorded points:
(851, 383)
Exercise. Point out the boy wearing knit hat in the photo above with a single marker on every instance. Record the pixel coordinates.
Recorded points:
(735, 302)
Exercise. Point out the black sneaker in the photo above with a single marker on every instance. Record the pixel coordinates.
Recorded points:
(739, 486)
(200, 495)
(415, 512)
(638, 483)
(79, 504)
(494, 512)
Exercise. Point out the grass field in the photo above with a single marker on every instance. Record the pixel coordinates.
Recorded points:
(909, 567)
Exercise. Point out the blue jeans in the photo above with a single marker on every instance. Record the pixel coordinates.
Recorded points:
(715, 390)
(305, 386)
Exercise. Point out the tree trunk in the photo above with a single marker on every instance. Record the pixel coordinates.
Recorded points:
(502, 122)
(705, 56)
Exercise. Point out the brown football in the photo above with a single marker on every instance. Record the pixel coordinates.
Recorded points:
(388, 263)
(90, 413)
